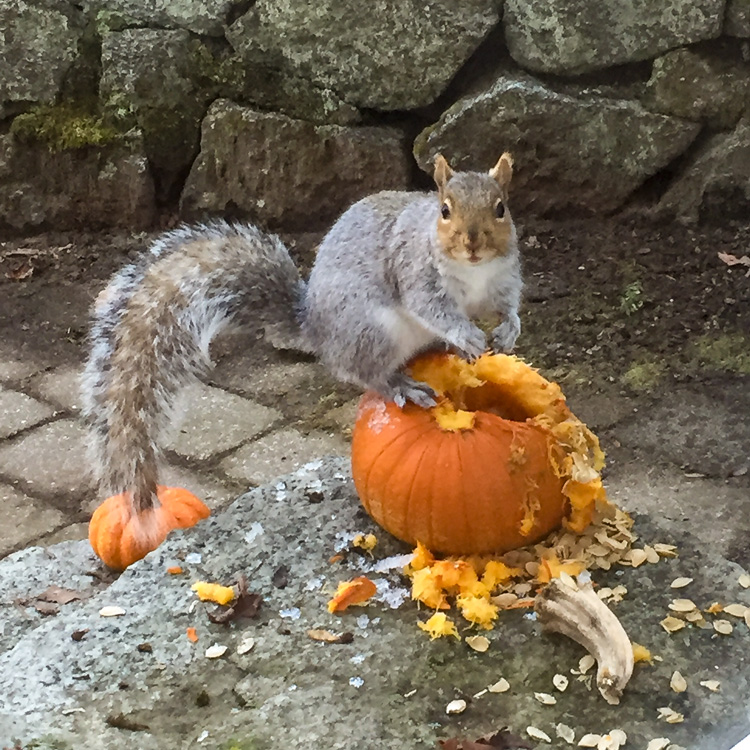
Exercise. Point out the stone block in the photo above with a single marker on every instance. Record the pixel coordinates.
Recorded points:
(50, 459)
(279, 453)
(24, 519)
(214, 421)
(19, 412)
(61, 386)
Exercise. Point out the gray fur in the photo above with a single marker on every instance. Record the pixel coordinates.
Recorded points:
(382, 289)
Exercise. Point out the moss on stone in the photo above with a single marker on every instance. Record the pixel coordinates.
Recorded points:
(644, 375)
(728, 351)
(63, 127)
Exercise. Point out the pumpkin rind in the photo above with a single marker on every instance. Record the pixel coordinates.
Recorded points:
(120, 536)
(500, 484)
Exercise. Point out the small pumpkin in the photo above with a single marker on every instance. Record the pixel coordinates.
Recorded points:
(120, 536)
(498, 464)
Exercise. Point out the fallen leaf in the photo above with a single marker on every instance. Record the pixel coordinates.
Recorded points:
(246, 605)
(45, 608)
(352, 592)
(60, 596)
(326, 636)
(733, 260)
(192, 635)
(122, 721)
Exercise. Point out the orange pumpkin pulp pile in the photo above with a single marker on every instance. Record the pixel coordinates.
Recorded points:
(500, 464)
(120, 537)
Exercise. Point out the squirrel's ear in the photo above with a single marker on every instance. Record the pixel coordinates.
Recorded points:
(443, 172)
(503, 170)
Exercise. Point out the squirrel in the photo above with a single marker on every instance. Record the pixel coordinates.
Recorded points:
(399, 272)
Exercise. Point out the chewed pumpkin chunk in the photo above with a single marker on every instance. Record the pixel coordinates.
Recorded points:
(213, 592)
(353, 592)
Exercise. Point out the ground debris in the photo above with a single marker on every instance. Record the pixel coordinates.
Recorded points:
(500, 740)
(123, 721)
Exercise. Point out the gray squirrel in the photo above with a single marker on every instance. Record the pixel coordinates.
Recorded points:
(397, 273)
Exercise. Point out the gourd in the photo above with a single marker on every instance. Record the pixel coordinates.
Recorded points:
(119, 535)
(498, 464)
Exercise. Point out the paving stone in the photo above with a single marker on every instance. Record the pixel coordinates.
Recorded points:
(71, 533)
(19, 411)
(279, 453)
(344, 416)
(61, 386)
(24, 519)
(275, 379)
(50, 459)
(13, 369)
(216, 421)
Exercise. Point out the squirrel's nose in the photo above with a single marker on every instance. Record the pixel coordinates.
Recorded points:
(472, 240)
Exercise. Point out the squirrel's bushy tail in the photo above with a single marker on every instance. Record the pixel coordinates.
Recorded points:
(152, 326)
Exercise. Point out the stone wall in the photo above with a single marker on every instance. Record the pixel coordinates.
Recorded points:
(113, 111)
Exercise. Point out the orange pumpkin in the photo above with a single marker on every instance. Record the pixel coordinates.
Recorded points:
(499, 463)
(120, 536)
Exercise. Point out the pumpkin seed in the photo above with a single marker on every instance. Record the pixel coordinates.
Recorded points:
(589, 740)
(546, 699)
(111, 612)
(744, 581)
(678, 683)
(736, 610)
(712, 685)
(666, 550)
(560, 681)
(246, 645)
(723, 626)
(538, 734)
(456, 707)
(682, 605)
(680, 583)
(670, 715)
(501, 686)
(215, 651)
(652, 555)
(478, 643)
(585, 663)
(658, 743)
(672, 624)
(564, 732)
(637, 557)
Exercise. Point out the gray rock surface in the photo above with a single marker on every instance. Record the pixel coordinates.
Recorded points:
(293, 692)
(37, 47)
(94, 187)
(700, 86)
(149, 81)
(276, 169)
(577, 36)
(716, 184)
(198, 16)
(583, 153)
(384, 56)
(737, 20)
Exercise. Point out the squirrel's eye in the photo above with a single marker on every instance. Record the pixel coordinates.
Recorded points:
(499, 210)
(445, 211)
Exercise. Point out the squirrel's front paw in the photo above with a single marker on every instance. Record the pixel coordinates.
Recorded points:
(505, 335)
(401, 388)
(471, 343)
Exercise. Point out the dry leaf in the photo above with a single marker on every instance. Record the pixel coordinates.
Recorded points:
(45, 608)
(280, 577)
(326, 636)
(247, 605)
(678, 683)
(59, 595)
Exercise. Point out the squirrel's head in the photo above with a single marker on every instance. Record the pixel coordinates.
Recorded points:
(474, 224)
